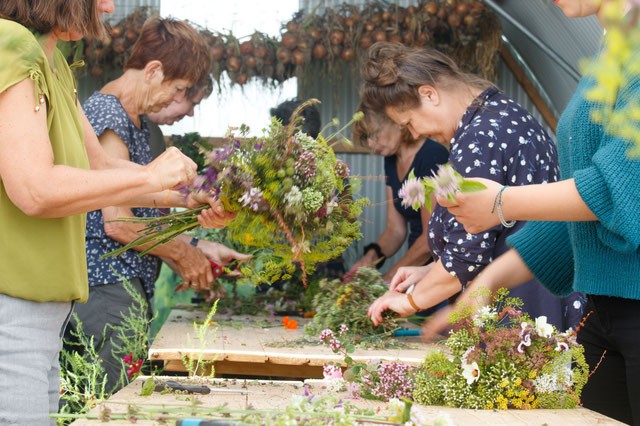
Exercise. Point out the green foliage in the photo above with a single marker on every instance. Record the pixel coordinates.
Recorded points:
(82, 378)
(193, 146)
(196, 365)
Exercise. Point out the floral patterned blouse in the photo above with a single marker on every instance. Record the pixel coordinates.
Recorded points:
(105, 112)
(499, 140)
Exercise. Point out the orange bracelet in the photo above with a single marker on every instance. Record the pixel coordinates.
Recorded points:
(413, 302)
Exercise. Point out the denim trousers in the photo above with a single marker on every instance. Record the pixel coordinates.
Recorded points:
(30, 343)
(611, 339)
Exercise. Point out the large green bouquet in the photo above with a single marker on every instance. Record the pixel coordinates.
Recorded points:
(289, 191)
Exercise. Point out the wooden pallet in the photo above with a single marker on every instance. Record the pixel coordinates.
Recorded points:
(246, 346)
(259, 394)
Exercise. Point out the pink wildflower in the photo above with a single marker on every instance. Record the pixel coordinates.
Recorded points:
(412, 194)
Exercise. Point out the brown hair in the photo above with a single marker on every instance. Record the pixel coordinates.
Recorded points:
(176, 44)
(372, 122)
(393, 72)
(44, 16)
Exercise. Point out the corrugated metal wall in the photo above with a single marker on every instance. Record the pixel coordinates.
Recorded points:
(125, 7)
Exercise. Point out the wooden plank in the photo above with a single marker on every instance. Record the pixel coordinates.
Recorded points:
(241, 394)
(255, 340)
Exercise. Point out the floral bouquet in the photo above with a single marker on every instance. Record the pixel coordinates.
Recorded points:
(290, 195)
(503, 359)
(344, 304)
(416, 192)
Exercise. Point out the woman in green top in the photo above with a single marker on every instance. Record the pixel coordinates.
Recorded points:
(47, 151)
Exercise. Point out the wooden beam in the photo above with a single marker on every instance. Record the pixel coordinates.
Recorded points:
(524, 81)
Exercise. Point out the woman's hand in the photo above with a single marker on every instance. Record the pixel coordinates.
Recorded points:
(221, 254)
(408, 276)
(215, 217)
(171, 169)
(194, 268)
(391, 300)
(474, 210)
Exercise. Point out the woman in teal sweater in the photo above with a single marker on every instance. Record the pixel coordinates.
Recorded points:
(583, 235)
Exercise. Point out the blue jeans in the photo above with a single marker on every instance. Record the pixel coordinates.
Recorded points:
(30, 342)
(611, 339)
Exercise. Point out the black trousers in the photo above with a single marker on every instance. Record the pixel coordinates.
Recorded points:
(611, 338)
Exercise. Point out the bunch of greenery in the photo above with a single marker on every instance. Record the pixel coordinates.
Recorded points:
(290, 195)
(82, 377)
(503, 359)
(340, 303)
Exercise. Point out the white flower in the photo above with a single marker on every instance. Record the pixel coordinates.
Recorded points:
(526, 341)
(543, 329)
(562, 346)
(332, 205)
(485, 314)
(471, 372)
(294, 197)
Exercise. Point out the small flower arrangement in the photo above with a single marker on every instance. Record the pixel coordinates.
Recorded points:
(289, 191)
(381, 380)
(500, 358)
(345, 304)
(416, 192)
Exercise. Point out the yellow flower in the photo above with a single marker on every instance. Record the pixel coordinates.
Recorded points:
(517, 382)
(504, 383)
(533, 374)
(502, 402)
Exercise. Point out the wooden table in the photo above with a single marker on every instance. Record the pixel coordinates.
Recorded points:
(258, 394)
(244, 346)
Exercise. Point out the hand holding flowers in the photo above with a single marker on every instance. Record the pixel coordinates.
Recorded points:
(446, 183)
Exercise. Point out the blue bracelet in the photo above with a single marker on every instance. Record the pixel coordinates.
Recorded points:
(497, 205)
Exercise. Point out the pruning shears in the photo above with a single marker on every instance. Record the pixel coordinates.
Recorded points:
(172, 385)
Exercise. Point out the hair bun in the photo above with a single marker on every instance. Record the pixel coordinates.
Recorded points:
(381, 66)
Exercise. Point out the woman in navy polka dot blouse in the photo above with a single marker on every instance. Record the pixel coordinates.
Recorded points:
(490, 136)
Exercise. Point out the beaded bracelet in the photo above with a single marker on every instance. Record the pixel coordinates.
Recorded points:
(497, 205)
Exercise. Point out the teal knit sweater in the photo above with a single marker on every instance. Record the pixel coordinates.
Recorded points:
(600, 257)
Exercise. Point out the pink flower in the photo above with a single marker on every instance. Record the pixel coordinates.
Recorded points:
(412, 193)
(331, 372)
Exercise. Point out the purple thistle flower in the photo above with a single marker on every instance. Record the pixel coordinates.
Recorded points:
(447, 181)
(412, 194)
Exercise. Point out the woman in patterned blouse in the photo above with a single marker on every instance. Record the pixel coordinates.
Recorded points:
(488, 135)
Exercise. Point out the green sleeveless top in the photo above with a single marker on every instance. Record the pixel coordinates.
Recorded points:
(43, 259)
